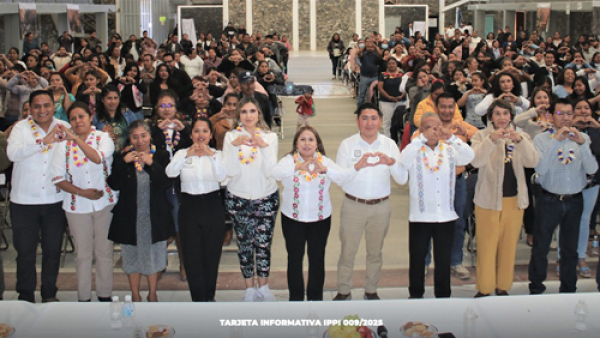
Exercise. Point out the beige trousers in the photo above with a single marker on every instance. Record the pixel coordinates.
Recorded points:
(90, 236)
(356, 219)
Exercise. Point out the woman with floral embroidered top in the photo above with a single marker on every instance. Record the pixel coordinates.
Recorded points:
(306, 175)
(202, 221)
(501, 154)
(142, 220)
(249, 154)
(80, 168)
(62, 97)
(170, 134)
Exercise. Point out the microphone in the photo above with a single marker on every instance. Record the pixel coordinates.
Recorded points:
(382, 332)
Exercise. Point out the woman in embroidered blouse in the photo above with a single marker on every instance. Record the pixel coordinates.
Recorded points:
(249, 153)
(142, 220)
(170, 134)
(62, 97)
(306, 175)
(80, 168)
(202, 222)
(501, 154)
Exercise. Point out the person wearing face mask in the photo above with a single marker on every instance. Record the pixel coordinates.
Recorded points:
(306, 175)
(501, 154)
(566, 159)
(201, 219)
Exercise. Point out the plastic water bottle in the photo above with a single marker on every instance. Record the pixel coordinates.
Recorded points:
(581, 313)
(469, 323)
(128, 313)
(595, 244)
(115, 310)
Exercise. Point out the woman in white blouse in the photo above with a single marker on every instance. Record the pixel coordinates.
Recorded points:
(249, 154)
(306, 175)
(80, 167)
(201, 215)
(505, 87)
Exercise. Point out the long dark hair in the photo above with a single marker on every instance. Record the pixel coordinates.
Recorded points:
(128, 67)
(320, 146)
(157, 80)
(497, 91)
(101, 111)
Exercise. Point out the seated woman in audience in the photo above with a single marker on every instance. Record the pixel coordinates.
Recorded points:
(471, 98)
(460, 84)
(564, 83)
(112, 118)
(76, 75)
(200, 103)
(581, 90)
(90, 92)
(142, 221)
(217, 83)
(501, 154)
(390, 96)
(306, 175)
(506, 87)
(61, 95)
(419, 92)
(586, 121)
(169, 133)
(234, 60)
(162, 81)
(80, 168)
(250, 152)
(132, 90)
(201, 216)
(212, 61)
(23, 84)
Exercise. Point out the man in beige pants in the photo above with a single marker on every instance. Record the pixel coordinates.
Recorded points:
(366, 207)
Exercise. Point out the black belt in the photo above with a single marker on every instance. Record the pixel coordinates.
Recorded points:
(368, 75)
(367, 202)
(563, 197)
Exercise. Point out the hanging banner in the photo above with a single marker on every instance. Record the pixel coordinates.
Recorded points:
(188, 27)
(75, 25)
(458, 21)
(596, 18)
(28, 20)
(543, 16)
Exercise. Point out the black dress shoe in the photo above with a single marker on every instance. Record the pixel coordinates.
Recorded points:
(501, 292)
(50, 300)
(85, 301)
(105, 299)
(479, 295)
(339, 296)
(371, 296)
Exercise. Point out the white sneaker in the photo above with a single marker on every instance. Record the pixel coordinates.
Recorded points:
(460, 272)
(264, 294)
(251, 295)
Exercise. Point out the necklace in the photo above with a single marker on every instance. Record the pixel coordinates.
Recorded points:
(171, 142)
(308, 178)
(426, 159)
(75, 149)
(201, 112)
(254, 149)
(509, 154)
(139, 165)
(36, 134)
(568, 159)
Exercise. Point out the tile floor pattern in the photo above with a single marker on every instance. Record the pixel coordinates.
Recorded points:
(335, 122)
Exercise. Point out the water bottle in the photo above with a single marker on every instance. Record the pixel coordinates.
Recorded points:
(469, 323)
(128, 313)
(581, 312)
(595, 249)
(115, 311)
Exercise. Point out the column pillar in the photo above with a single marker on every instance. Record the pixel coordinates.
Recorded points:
(295, 25)
(509, 20)
(442, 18)
(12, 37)
(479, 23)
(102, 26)
(249, 16)
(313, 25)
(358, 11)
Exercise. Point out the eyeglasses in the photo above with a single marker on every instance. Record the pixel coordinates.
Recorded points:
(167, 105)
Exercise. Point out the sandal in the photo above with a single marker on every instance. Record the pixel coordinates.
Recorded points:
(584, 270)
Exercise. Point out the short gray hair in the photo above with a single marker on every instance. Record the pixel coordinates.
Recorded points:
(138, 123)
(427, 115)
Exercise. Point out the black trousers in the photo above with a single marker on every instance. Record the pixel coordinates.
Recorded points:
(420, 234)
(28, 222)
(334, 64)
(529, 214)
(299, 235)
(549, 213)
(201, 230)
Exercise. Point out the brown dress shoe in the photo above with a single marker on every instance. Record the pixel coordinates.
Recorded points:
(339, 296)
(501, 292)
(371, 296)
(479, 295)
(228, 237)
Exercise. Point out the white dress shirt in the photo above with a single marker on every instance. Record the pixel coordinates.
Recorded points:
(370, 182)
(193, 67)
(32, 176)
(432, 192)
(199, 175)
(312, 205)
(88, 176)
(250, 181)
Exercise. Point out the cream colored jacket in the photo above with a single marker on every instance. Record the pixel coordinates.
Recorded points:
(489, 158)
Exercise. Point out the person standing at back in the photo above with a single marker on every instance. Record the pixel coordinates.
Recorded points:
(369, 56)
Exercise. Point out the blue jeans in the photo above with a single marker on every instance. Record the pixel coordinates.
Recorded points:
(590, 195)
(363, 87)
(460, 202)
